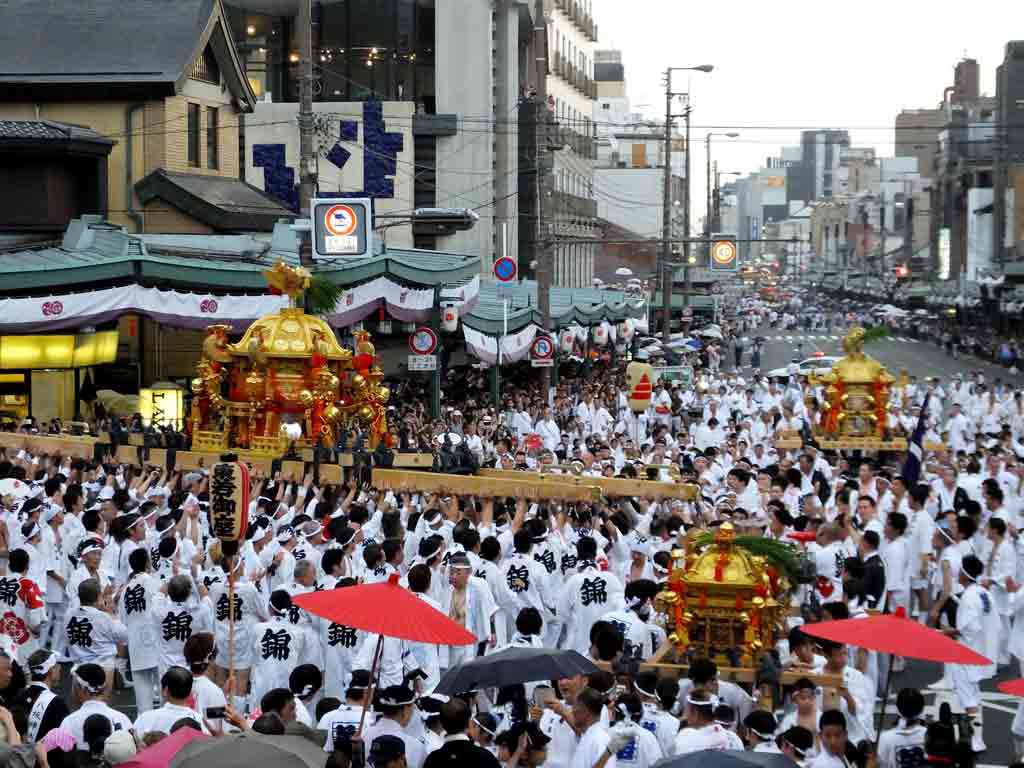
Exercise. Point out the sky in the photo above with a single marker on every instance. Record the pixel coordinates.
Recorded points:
(789, 65)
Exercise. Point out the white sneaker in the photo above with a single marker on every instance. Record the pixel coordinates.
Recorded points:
(977, 743)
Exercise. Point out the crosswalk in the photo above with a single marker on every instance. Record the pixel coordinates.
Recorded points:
(797, 338)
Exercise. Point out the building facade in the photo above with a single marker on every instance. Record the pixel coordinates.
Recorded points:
(1008, 219)
(572, 209)
(629, 174)
(172, 102)
(446, 78)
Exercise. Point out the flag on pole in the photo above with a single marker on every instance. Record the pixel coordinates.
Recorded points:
(915, 454)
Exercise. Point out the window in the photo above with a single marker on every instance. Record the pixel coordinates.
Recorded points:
(211, 137)
(193, 135)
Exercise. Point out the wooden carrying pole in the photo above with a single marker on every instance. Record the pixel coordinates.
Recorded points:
(522, 485)
(611, 487)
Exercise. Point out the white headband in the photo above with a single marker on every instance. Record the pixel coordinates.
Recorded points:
(41, 669)
(85, 684)
(711, 702)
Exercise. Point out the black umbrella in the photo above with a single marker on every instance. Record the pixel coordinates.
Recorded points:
(512, 666)
(250, 749)
(727, 758)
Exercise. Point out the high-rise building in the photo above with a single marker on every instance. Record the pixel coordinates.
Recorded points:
(1008, 235)
(571, 210)
(629, 174)
(917, 135)
(436, 78)
(814, 178)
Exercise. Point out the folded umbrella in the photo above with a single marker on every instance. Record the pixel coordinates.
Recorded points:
(726, 758)
(511, 666)
(250, 749)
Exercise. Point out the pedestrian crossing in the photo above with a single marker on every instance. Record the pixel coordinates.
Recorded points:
(797, 338)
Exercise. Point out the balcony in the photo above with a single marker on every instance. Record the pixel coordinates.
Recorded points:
(571, 207)
(560, 136)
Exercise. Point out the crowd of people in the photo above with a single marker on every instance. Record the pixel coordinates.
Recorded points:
(114, 580)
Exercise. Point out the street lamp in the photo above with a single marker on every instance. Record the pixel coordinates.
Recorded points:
(666, 224)
(710, 201)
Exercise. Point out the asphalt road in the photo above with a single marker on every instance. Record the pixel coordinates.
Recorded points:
(998, 709)
(921, 358)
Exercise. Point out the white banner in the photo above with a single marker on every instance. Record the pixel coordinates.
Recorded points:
(197, 310)
(514, 347)
(189, 309)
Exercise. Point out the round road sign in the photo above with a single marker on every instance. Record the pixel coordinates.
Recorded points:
(505, 269)
(542, 348)
(724, 252)
(423, 341)
(340, 220)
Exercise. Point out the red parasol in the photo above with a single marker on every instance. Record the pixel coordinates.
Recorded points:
(1012, 687)
(385, 609)
(389, 610)
(896, 634)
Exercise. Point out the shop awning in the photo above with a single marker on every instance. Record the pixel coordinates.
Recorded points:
(94, 253)
(100, 271)
(569, 306)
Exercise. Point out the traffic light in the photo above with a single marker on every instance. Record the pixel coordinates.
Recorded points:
(902, 272)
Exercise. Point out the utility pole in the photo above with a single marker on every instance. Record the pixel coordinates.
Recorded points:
(708, 229)
(881, 256)
(666, 217)
(715, 202)
(686, 208)
(307, 158)
(544, 245)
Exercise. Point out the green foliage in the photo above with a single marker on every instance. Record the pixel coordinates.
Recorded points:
(322, 296)
(877, 333)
